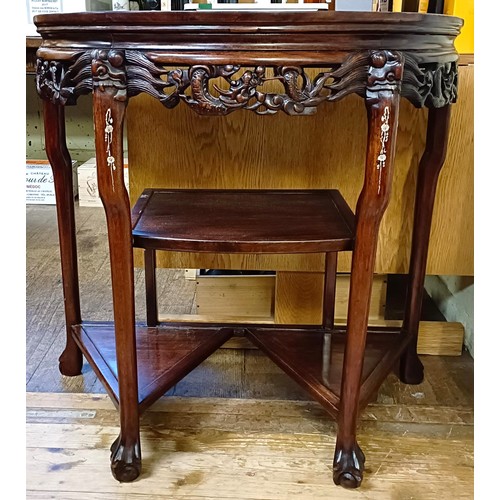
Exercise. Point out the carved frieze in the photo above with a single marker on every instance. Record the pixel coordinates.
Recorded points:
(433, 84)
(385, 71)
(244, 89)
(108, 72)
(131, 72)
(62, 82)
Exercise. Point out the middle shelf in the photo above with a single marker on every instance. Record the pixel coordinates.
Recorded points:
(231, 221)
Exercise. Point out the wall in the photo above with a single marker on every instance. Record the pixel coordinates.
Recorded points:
(454, 296)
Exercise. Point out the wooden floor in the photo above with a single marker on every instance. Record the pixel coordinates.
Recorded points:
(245, 449)
(242, 428)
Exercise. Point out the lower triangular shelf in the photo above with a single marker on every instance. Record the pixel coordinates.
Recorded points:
(164, 355)
(314, 359)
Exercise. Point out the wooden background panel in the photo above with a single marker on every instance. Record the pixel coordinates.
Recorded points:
(299, 298)
(451, 249)
(265, 262)
(180, 149)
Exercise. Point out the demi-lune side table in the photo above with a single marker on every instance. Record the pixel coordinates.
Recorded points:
(266, 62)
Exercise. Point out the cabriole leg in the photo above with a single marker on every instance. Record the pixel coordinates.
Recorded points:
(411, 370)
(382, 103)
(110, 102)
(71, 359)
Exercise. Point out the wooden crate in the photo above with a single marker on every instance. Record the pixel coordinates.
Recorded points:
(287, 297)
(236, 296)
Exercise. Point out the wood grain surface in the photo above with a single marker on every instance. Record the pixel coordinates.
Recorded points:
(248, 449)
(265, 221)
(237, 296)
(299, 297)
(434, 337)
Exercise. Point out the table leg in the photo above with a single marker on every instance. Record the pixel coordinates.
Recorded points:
(71, 359)
(109, 107)
(382, 103)
(329, 290)
(151, 288)
(411, 369)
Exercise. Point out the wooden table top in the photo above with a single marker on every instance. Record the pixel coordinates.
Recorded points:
(360, 49)
(253, 37)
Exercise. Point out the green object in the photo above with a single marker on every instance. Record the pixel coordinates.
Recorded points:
(205, 6)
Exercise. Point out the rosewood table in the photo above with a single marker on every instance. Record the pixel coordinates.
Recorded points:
(266, 62)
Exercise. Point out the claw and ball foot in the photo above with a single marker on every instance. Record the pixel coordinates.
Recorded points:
(125, 461)
(348, 467)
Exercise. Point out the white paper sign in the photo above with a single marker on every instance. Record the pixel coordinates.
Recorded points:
(36, 7)
(40, 183)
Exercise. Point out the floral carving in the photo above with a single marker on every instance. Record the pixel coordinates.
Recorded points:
(384, 137)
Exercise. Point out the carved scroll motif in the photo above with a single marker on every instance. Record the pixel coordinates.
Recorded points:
(131, 72)
(243, 90)
(433, 85)
(63, 82)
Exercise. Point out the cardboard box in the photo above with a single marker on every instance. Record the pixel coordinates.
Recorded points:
(88, 193)
(40, 183)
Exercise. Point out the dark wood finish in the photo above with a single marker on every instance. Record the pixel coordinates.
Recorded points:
(217, 63)
(329, 290)
(286, 42)
(165, 355)
(151, 289)
(70, 361)
(33, 43)
(314, 358)
(109, 105)
(382, 103)
(411, 370)
(243, 221)
(397, 285)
